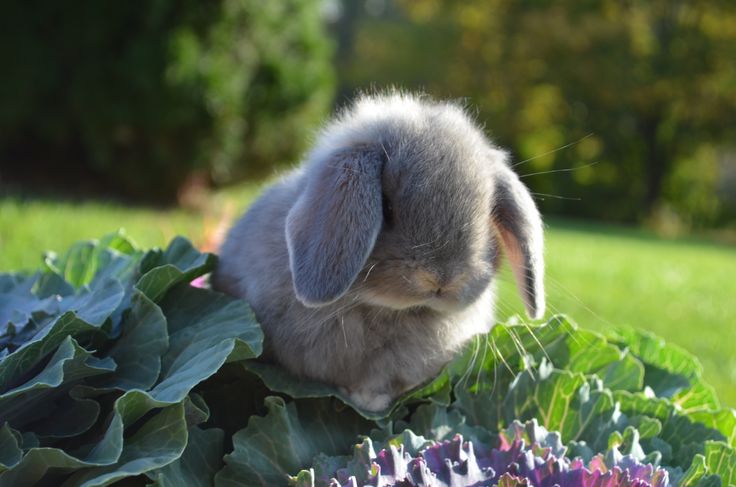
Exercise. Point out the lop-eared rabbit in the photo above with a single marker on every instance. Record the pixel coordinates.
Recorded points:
(374, 261)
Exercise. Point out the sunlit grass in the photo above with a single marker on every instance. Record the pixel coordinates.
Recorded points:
(601, 276)
(28, 227)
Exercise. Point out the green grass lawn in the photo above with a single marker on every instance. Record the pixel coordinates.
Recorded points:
(28, 227)
(601, 276)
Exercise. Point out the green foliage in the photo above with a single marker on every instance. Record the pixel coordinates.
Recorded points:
(100, 352)
(138, 96)
(113, 366)
(641, 90)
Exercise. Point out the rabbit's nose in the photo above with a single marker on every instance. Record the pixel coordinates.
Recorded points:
(430, 282)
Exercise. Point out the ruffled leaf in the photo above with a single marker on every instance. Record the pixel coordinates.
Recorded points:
(199, 463)
(180, 262)
(284, 441)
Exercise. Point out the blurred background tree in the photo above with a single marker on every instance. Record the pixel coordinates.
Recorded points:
(644, 92)
(138, 97)
(621, 111)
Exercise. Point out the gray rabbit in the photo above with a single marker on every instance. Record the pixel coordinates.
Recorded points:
(372, 263)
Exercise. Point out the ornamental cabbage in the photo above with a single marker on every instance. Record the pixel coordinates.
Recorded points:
(119, 364)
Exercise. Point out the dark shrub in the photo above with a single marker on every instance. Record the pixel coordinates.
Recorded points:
(136, 96)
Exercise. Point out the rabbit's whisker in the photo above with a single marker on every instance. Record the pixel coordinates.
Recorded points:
(552, 151)
(369, 271)
(500, 356)
(495, 370)
(349, 169)
(427, 243)
(545, 195)
(471, 362)
(482, 361)
(333, 313)
(558, 284)
(437, 249)
(344, 335)
(567, 169)
(541, 347)
(510, 310)
(519, 348)
(388, 157)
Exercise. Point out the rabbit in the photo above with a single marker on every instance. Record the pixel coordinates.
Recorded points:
(372, 263)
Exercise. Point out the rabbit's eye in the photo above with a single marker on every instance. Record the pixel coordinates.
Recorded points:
(388, 211)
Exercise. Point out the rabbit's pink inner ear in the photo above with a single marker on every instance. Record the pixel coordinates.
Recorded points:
(520, 227)
(333, 226)
(527, 275)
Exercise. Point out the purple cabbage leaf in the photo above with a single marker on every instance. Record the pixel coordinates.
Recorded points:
(525, 454)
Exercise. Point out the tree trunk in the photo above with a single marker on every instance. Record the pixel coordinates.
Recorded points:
(656, 165)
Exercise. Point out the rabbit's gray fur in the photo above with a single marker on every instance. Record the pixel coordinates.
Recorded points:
(372, 263)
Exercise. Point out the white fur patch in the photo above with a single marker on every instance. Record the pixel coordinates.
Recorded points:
(370, 401)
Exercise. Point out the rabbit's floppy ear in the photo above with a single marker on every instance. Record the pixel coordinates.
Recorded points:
(519, 225)
(332, 227)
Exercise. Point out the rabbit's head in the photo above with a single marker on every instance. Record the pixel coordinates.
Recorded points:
(406, 204)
